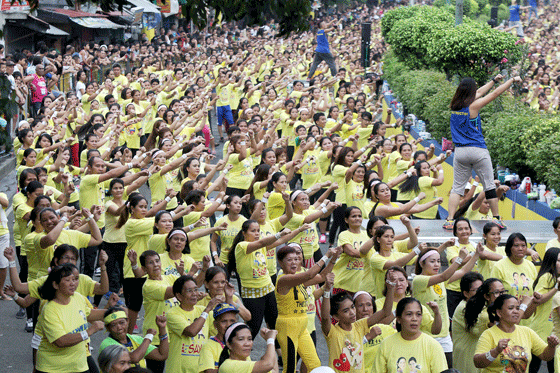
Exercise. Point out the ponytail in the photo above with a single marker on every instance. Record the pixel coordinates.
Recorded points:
(133, 201)
(232, 263)
(476, 303)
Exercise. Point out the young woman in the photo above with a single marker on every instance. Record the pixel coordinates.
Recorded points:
(339, 167)
(403, 288)
(275, 205)
(385, 255)
(291, 296)
(241, 174)
(247, 258)
(545, 288)
(139, 348)
(349, 270)
(391, 210)
(236, 355)
(491, 233)
(345, 339)
(423, 182)
(427, 286)
(516, 272)
(233, 220)
(466, 132)
(63, 323)
(507, 345)
(409, 346)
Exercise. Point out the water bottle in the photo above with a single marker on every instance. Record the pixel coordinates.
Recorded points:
(542, 191)
(502, 176)
(535, 188)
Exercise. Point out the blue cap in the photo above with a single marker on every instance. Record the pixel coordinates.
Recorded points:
(222, 308)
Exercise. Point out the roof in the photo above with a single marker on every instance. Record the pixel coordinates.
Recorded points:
(75, 13)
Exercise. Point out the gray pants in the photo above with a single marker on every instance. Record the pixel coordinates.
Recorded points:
(465, 160)
(328, 58)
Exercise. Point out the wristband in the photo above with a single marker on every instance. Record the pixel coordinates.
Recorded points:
(368, 164)
(12, 264)
(214, 253)
(184, 156)
(416, 199)
(172, 213)
(15, 297)
(442, 156)
(440, 172)
(459, 261)
(204, 315)
(163, 337)
(490, 357)
(326, 294)
(475, 184)
(278, 235)
(359, 162)
(270, 341)
(324, 210)
(416, 250)
(218, 200)
(149, 336)
(134, 267)
(88, 218)
(363, 149)
(191, 227)
(325, 259)
(225, 172)
(57, 211)
(408, 173)
(167, 199)
(261, 142)
(523, 307)
(64, 219)
(323, 204)
(390, 283)
(85, 335)
(308, 191)
(129, 165)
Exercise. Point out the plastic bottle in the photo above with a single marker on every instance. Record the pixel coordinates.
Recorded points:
(542, 191)
(535, 188)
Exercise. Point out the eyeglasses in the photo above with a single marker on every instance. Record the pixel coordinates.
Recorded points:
(500, 292)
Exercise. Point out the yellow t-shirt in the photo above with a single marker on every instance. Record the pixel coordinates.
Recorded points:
(425, 184)
(452, 253)
(427, 319)
(55, 321)
(135, 342)
(275, 205)
(157, 243)
(518, 279)
(541, 322)
(308, 239)
(237, 366)
(367, 283)
(155, 303)
(184, 352)
(339, 175)
(396, 355)
(371, 347)
(44, 256)
(86, 286)
(517, 355)
(227, 236)
(349, 271)
(252, 268)
(464, 342)
(159, 184)
(346, 352)
(209, 355)
(137, 232)
(92, 192)
(485, 266)
(376, 262)
(435, 293)
(270, 228)
(201, 246)
(356, 196)
(4, 224)
(310, 172)
(241, 174)
(294, 303)
(168, 265)
(552, 243)
(112, 234)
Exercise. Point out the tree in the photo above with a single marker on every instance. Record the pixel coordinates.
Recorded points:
(291, 15)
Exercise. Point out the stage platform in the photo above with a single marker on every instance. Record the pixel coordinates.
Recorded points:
(431, 231)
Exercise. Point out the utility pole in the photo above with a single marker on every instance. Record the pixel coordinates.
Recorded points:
(459, 12)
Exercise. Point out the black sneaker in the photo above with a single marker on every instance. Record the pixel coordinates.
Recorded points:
(21, 313)
(29, 325)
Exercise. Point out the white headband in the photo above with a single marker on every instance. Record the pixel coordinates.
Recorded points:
(361, 292)
(295, 194)
(230, 330)
(178, 231)
(428, 254)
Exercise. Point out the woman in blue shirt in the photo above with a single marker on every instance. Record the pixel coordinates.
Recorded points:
(470, 147)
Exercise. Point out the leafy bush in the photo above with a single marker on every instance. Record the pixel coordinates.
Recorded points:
(543, 157)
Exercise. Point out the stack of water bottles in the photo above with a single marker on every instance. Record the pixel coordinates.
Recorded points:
(532, 190)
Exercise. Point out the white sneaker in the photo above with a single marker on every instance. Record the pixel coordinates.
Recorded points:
(29, 325)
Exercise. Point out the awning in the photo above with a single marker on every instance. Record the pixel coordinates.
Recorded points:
(56, 31)
(95, 22)
(146, 5)
(38, 25)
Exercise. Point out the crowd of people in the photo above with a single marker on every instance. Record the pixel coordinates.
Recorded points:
(216, 243)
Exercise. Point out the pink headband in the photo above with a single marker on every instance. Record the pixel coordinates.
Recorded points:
(361, 292)
(296, 193)
(230, 330)
(428, 254)
(178, 231)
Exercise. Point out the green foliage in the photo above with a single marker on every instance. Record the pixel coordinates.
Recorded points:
(8, 108)
(427, 38)
(543, 157)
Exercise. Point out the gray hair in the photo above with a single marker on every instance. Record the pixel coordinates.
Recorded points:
(109, 356)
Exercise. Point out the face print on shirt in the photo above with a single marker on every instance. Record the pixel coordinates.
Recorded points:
(410, 366)
(514, 359)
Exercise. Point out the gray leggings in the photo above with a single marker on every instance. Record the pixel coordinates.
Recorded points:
(328, 58)
(469, 158)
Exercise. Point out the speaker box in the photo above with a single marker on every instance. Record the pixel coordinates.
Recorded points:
(365, 48)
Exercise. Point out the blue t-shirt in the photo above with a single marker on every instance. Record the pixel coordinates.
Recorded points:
(533, 3)
(466, 131)
(514, 13)
(322, 43)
